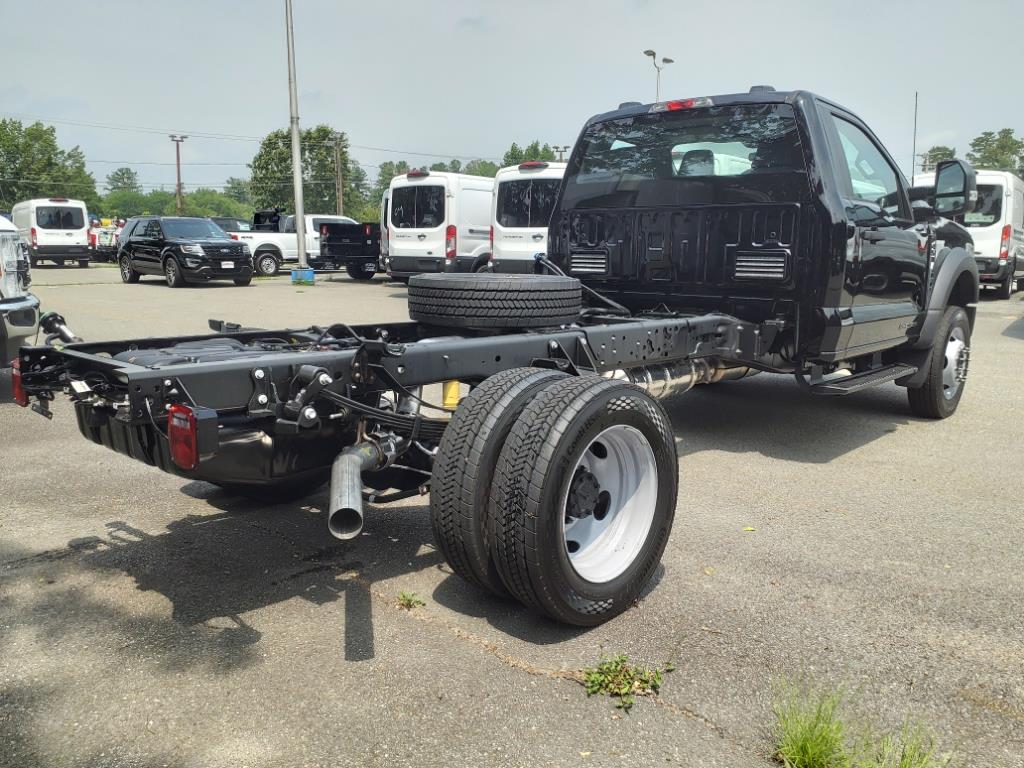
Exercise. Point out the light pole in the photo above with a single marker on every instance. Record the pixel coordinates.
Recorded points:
(293, 109)
(561, 151)
(177, 162)
(664, 62)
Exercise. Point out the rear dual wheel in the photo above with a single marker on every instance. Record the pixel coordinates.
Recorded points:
(361, 270)
(582, 497)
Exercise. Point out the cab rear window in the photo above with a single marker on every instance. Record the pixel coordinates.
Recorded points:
(526, 202)
(59, 217)
(728, 154)
(419, 207)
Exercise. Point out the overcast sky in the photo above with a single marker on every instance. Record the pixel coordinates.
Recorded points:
(465, 79)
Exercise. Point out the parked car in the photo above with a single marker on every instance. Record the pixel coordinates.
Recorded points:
(103, 240)
(19, 309)
(183, 250)
(56, 229)
(273, 242)
(524, 197)
(997, 227)
(352, 247)
(439, 221)
(556, 479)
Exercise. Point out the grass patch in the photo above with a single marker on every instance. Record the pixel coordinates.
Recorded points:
(811, 731)
(409, 600)
(617, 678)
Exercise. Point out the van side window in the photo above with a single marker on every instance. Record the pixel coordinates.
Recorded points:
(152, 230)
(872, 178)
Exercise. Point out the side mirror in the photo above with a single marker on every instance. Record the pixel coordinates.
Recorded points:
(956, 191)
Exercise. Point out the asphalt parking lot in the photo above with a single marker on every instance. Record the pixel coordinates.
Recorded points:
(147, 621)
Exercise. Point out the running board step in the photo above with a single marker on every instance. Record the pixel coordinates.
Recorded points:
(849, 384)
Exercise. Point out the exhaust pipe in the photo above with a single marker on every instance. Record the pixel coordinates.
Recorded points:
(345, 511)
(667, 379)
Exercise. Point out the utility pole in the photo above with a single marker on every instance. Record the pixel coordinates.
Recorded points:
(337, 175)
(913, 152)
(293, 110)
(177, 162)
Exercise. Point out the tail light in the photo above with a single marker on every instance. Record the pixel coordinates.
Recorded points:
(17, 388)
(92, 239)
(449, 242)
(183, 436)
(1004, 243)
(492, 238)
(366, 229)
(32, 234)
(323, 230)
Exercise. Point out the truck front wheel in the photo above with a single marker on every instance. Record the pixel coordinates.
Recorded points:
(947, 364)
(583, 499)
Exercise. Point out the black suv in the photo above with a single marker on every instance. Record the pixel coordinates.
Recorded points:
(183, 250)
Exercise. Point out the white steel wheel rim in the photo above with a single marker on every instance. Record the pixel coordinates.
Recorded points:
(602, 545)
(954, 365)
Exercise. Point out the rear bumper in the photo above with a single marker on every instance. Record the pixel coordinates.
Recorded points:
(245, 454)
(19, 320)
(406, 266)
(993, 272)
(69, 252)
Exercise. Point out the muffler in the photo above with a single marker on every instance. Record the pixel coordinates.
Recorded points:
(667, 379)
(345, 511)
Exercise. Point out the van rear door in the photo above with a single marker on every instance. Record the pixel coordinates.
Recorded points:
(523, 206)
(60, 224)
(419, 215)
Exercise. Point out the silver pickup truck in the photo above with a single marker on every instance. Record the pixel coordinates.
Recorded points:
(19, 309)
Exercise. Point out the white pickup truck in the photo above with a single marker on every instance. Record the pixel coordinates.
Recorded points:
(273, 241)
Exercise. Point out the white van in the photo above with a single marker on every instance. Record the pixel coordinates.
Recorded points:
(524, 198)
(997, 227)
(438, 222)
(56, 229)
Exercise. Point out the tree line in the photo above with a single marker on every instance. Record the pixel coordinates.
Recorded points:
(991, 151)
(33, 165)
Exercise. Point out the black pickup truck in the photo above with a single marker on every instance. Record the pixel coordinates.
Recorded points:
(356, 247)
(693, 241)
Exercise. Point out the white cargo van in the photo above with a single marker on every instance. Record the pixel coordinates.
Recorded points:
(997, 227)
(438, 222)
(56, 229)
(524, 197)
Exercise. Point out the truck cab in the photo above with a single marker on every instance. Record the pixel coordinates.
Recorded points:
(782, 209)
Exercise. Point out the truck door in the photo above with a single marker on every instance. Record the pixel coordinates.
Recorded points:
(886, 264)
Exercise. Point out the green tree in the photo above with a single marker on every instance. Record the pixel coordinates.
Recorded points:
(32, 164)
(1001, 151)
(514, 156)
(935, 155)
(122, 203)
(271, 182)
(480, 168)
(123, 180)
(239, 190)
(210, 202)
(534, 151)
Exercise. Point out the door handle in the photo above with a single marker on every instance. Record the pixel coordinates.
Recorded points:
(421, 237)
(872, 236)
(538, 236)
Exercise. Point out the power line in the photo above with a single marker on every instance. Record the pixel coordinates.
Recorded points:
(238, 137)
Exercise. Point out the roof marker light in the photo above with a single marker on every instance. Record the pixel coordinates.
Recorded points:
(532, 165)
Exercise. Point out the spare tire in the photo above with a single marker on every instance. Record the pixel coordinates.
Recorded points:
(486, 300)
